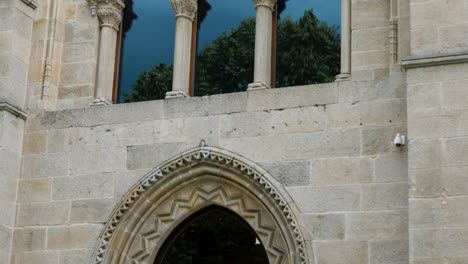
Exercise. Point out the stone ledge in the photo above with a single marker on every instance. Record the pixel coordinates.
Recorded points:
(14, 110)
(31, 3)
(428, 61)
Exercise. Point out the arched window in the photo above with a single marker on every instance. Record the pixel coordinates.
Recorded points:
(305, 47)
(213, 235)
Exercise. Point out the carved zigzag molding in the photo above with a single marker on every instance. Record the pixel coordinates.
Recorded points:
(197, 155)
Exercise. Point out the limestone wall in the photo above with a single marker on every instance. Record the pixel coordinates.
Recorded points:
(330, 145)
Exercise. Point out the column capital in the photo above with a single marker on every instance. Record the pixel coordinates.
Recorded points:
(185, 8)
(267, 3)
(109, 12)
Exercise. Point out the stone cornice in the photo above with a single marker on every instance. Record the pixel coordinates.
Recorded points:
(31, 3)
(268, 3)
(109, 12)
(185, 8)
(428, 61)
(14, 110)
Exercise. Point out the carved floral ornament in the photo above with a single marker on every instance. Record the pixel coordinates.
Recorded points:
(268, 3)
(185, 8)
(109, 12)
(194, 180)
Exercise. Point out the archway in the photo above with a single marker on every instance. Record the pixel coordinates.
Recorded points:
(188, 183)
(211, 236)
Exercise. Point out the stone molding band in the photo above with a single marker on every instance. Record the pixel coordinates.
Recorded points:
(428, 61)
(185, 8)
(31, 3)
(14, 110)
(155, 183)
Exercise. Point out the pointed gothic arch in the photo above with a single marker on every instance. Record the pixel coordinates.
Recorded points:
(190, 182)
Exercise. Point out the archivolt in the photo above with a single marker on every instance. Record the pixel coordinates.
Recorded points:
(197, 178)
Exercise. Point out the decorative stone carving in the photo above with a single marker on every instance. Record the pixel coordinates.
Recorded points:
(109, 12)
(268, 3)
(31, 3)
(191, 181)
(185, 8)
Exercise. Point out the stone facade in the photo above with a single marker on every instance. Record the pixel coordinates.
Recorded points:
(321, 159)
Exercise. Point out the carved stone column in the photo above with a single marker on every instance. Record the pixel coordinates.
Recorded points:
(185, 12)
(263, 39)
(109, 13)
(345, 41)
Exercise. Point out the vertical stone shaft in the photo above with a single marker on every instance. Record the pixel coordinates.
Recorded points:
(183, 37)
(345, 40)
(110, 16)
(185, 12)
(263, 42)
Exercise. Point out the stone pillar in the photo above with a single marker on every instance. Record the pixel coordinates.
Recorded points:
(185, 12)
(263, 39)
(345, 41)
(110, 15)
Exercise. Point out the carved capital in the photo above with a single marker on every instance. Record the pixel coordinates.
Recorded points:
(109, 12)
(185, 8)
(267, 3)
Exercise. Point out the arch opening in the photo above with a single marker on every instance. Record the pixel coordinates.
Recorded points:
(213, 235)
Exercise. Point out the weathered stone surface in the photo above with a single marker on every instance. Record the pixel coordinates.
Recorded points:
(338, 252)
(97, 159)
(326, 226)
(29, 239)
(384, 196)
(339, 171)
(327, 198)
(75, 256)
(293, 173)
(439, 243)
(377, 225)
(427, 213)
(83, 187)
(34, 190)
(388, 252)
(40, 257)
(91, 211)
(150, 156)
(43, 214)
(45, 165)
(73, 237)
(391, 167)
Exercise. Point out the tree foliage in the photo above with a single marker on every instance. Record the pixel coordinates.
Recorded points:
(308, 52)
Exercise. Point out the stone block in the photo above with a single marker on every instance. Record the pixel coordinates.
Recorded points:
(424, 42)
(391, 167)
(339, 171)
(73, 237)
(425, 182)
(427, 213)
(455, 180)
(296, 146)
(58, 140)
(75, 256)
(34, 190)
(199, 128)
(79, 52)
(150, 156)
(29, 239)
(439, 243)
(289, 173)
(339, 252)
(83, 187)
(326, 226)
(424, 154)
(45, 165)
(384, 196)
(291, 97)
(454, 94)
(457, 208)
(85, 160)
(43, 214)
(370, 39)
(5, 241)
(39, 257)
(370, 60)
(370, 13)
(455, 152)
(388, 225)
(91, 211)
(424, 99)
(388, 252)
(326, 199)
(77, 73)
(8, 209)
(380, 140)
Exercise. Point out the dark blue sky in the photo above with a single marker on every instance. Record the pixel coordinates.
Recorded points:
(150, 41)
